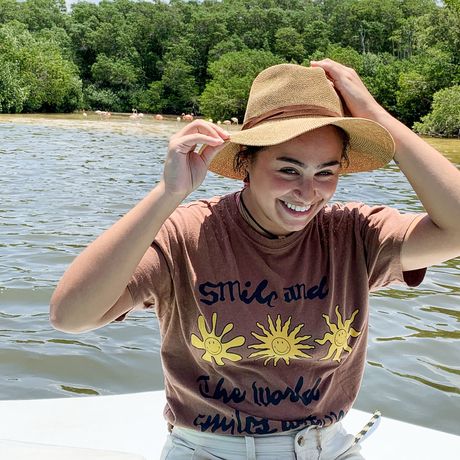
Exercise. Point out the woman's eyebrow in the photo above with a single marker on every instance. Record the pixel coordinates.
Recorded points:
(291, 160)
(329, 163)
(302, 165)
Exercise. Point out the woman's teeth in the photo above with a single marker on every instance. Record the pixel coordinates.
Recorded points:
(297, 208)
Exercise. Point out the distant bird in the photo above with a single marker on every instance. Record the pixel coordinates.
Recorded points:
(187, 117)
(178, 119)
(158, 117)
(103, 113)
(135, 115)
(234, 120)
(227, 122)
(84, 114)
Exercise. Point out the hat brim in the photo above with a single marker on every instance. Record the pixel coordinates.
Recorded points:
(371, 146)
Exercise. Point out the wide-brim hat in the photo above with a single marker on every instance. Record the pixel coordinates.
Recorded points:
(288, 100)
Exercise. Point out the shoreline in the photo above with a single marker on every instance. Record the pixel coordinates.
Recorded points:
(147, 119)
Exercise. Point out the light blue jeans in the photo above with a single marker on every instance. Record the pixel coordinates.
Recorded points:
(312, 443)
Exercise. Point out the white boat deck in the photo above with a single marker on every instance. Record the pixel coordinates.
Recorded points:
(131, 427)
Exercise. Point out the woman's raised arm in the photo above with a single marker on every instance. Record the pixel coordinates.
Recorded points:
(92, 292)
(436, 181)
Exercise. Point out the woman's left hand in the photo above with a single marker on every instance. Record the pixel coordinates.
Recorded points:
(359, 101)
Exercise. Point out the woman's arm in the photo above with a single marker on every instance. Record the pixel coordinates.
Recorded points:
(93, 291)
(435, 237)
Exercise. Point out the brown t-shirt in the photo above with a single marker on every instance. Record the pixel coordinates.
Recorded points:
(262, 336)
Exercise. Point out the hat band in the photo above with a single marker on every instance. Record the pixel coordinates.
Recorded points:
(290, 111)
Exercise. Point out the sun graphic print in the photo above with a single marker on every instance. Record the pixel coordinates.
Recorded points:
(215, 348)
(278, 343)
(339, 335)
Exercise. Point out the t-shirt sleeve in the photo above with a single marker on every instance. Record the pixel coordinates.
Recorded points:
(383, 230)
(151, 284)
(158, 275)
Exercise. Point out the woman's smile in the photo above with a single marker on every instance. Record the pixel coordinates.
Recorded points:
(296, 211)
(297, 208)
(298, 215)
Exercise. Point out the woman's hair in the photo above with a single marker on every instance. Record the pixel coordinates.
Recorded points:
(247, 154)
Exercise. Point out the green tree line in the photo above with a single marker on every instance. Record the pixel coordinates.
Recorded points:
(201, 56)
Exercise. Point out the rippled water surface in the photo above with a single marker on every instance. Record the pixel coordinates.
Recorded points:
(66, 179)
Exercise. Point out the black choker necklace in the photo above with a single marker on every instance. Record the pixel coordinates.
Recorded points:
(246, 214)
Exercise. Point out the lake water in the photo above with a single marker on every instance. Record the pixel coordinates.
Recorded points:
(65, 179)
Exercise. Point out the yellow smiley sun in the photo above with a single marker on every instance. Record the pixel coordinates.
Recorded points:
(278, 343)
(339, 335)
(215, 348)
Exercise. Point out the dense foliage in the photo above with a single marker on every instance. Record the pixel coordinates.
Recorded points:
(444, 119)
(200, 56)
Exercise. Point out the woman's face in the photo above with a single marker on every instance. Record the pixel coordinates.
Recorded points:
(292, 181)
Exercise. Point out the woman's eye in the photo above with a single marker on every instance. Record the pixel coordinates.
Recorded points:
(325, 173)
(289, 171)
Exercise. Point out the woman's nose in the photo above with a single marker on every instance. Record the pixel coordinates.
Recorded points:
(305, 191)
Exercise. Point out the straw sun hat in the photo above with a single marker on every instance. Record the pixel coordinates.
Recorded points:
(288, 100)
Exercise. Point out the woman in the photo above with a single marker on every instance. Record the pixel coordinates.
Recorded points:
(262, 295)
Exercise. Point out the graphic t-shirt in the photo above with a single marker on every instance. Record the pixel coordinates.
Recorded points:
(262, 336)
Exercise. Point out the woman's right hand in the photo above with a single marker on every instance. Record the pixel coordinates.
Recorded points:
(185, 168)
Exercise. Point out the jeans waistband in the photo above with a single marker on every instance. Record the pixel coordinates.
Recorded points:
(279, 442)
